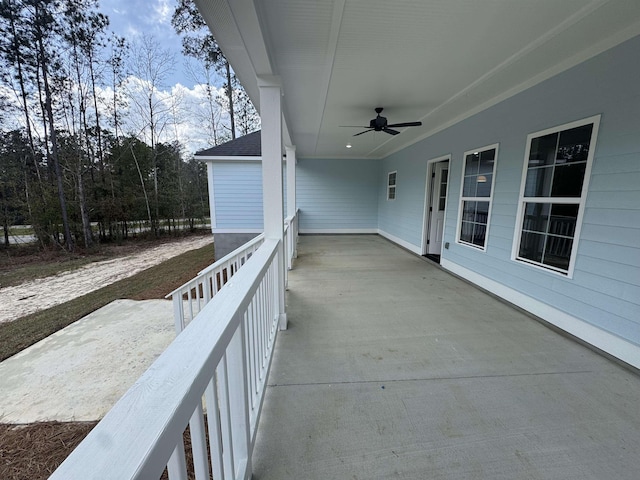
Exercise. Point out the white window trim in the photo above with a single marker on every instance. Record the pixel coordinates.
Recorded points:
(394, 186)
(476, 199)
(595, 120)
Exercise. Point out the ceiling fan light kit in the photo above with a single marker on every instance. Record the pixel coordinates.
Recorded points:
(380, 124)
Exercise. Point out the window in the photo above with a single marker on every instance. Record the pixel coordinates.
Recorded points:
(475, 200)
(554, 186)
(391, 185)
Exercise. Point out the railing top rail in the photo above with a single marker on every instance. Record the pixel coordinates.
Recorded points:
(229, 256)
(134, 440)
(290, 218)
(217, 263)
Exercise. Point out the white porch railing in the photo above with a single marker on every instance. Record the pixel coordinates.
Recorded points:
(291, 237)
(191, 297)
(224, 355)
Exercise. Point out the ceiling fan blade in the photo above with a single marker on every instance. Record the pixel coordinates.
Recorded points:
(370, 130)
(406, 124)
(390, 132)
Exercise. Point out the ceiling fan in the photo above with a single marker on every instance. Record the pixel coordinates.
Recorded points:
(379, 124)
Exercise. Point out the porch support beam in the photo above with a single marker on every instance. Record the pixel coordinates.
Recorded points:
(272, 185)
(290, 151)
(292, 204)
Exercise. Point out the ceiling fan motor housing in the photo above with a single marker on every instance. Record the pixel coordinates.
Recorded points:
(378, 123)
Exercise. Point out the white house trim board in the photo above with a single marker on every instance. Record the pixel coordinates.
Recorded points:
(403, 243)
(338, 231)
(212, 197)
(210, 159)
(605, 341)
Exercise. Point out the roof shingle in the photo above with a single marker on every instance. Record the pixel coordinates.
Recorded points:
(246, 146)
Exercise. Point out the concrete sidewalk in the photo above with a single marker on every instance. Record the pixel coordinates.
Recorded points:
(392, 368)
(79, 372)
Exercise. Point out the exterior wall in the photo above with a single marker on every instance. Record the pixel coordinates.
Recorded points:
(236, 203)
(605, 288)
(337, 195)
(237, 188)
(226, 243)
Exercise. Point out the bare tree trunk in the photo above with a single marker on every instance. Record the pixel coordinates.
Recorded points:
(144, 190)
(23, 95)
(86, 223)
(82, 121)
(5, 226)
(98, 129)
(156, 224)
(54, 146)
(230, 96)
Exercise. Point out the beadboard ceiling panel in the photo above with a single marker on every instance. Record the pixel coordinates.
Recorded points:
(437, 61)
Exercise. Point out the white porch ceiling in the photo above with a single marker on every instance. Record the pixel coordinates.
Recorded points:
(436, 61)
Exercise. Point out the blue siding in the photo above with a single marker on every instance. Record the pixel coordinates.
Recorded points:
(336, 194)
(238, 195)
(605, 288)
(237, 189)
(403, 216)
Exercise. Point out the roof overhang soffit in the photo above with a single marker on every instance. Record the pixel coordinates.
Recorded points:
(238, 31)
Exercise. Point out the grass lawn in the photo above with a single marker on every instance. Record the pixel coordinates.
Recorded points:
(155, 282)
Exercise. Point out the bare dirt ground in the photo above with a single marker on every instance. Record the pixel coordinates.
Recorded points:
(29, 297)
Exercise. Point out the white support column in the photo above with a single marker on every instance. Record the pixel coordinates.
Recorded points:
(291, 179)
(292, 204)
(272, 188)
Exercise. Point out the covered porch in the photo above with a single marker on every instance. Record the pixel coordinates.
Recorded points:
(390, 367)
(393, 368)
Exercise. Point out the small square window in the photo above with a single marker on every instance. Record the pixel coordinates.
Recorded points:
(391, 185)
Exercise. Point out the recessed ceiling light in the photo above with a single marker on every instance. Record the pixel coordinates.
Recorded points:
(348, 145)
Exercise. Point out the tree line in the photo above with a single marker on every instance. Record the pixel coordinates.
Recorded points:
(89, 140)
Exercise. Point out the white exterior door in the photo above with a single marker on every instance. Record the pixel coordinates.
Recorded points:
(437, 206)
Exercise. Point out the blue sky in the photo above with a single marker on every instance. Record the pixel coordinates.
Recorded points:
(133, 18)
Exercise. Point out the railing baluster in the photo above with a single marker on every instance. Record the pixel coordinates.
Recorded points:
(254, 349)
(207, 288)
(238, 408)
(215, 429)
(199, 444)
(225, 418)
(250, 351)
(178, 313)
(261, 314)
(190, 303)
(177, 465)
(200, 293)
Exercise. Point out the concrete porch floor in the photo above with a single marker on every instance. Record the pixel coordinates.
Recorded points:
(392, 368)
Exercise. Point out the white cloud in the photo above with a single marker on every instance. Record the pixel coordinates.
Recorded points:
(163, 12)
(185, 113)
